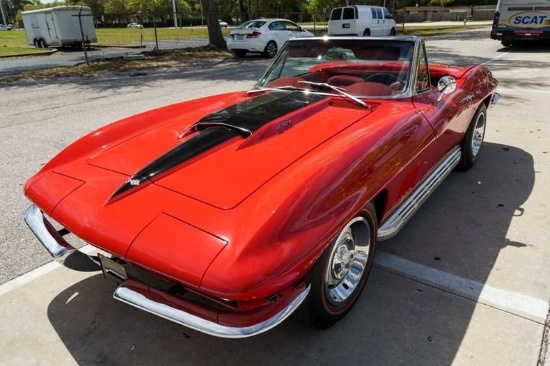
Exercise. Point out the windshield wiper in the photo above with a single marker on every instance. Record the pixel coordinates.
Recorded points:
(284, 88)
(338, 90)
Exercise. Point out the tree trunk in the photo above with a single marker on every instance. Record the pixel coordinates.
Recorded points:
(215, 37)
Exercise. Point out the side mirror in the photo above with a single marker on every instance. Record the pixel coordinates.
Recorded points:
(388, 16)
(446, 85)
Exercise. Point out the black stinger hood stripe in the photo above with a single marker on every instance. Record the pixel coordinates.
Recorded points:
(200, 143)
(249, 115)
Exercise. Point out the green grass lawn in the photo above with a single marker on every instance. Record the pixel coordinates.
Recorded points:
(14, 42)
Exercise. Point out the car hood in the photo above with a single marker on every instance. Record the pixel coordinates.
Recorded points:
(227, 155)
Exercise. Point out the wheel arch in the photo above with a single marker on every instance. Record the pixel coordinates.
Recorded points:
(380, 203)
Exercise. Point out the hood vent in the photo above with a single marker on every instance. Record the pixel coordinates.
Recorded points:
(241, 119)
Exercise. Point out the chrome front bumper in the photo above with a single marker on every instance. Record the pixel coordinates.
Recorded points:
(168, 307)
(161, 303)
(50, 238)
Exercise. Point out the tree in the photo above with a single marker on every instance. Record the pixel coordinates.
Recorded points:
(115, 7)
(215, 37)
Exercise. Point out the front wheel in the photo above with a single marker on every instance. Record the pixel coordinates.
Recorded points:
(339, 275)
(473, 140)
(393, 32)
(366, 32)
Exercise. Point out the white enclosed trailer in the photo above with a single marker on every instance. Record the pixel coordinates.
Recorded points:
(62, 26)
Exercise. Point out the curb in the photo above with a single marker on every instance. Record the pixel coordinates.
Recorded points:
(45, 53)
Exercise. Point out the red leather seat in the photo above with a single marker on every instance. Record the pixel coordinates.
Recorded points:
(286, 81)
(369, 88)
(344, 80)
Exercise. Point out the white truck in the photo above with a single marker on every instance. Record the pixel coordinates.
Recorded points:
(520, 20)
(61, 26)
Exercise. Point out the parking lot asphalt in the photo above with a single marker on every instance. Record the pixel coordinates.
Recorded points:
(466, 282)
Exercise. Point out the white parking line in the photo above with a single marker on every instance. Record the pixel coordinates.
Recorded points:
(495, 58)
(523, 91)
(28, 277)
(512, 302)
(515, 303)
(38, 272)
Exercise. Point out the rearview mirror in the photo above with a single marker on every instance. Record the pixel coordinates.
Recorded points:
(446, 85)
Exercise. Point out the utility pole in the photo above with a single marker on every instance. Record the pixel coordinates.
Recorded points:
(175, 13)
(3, 14)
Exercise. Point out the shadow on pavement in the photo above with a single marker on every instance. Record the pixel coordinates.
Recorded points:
(463, 226)
(461, 230)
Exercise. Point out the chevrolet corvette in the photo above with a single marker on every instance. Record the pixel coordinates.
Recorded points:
(228, 213)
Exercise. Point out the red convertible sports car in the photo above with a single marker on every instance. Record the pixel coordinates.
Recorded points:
(226, 214)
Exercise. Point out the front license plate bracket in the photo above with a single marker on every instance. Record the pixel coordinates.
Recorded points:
(109, 266)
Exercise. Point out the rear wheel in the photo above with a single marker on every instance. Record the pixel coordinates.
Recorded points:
(43, 44)
(36, 43)
(473, 140)
(270, 49)
(366, 32)
(339, 276)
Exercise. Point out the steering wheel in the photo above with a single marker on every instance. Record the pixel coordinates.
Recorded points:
(395, 83)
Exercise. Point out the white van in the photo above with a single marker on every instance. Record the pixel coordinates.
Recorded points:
(361, 20)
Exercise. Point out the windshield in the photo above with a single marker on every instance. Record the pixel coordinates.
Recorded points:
(361, 67)
(252, 24)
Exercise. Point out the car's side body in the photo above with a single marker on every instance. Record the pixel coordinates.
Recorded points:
(236, 197)
(264, 36)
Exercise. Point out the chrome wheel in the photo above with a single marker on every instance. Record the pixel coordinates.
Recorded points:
(348, 261)
(340, 274)
(472, 144)
(479, 133)
(271, 49)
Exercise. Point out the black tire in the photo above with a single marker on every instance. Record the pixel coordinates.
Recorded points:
(340, 274)
(36, 43)
(240, 53)
(42, 43)
(270, 49)
(473, 140)
(392, 32)
(366, 32)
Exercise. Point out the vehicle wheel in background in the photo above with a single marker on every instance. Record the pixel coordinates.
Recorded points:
(473, 140)
(42, 43)
(240, 53)
(270, 49)
(392, 32)
(339, 275)
(366, 32)
(36, 43)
